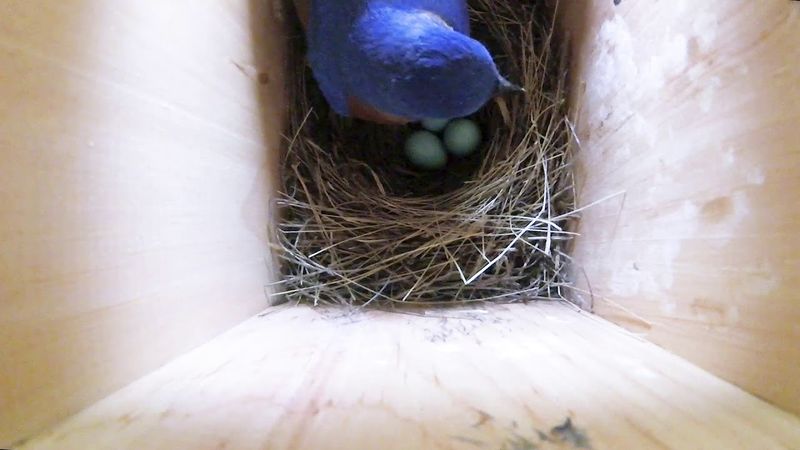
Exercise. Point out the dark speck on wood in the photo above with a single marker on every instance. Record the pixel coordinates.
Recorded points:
(568, 433)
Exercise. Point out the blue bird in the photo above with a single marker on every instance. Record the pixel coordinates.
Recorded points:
(397, 61)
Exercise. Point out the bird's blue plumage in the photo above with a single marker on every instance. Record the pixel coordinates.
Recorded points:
(407, 58)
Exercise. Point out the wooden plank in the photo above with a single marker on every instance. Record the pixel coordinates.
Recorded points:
(690, 111)
(299, 378)
(136, 147)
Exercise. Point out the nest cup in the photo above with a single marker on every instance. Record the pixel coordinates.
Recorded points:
(360, 226)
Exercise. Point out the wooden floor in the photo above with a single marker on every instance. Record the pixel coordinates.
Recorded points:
(505, 377)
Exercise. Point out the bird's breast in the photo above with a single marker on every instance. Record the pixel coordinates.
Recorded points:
(363, 111)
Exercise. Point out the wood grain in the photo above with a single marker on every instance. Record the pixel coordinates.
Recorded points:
(688, 112)
(497, 378)
(136, 179)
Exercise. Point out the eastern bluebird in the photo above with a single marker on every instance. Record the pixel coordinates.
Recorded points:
(397, 61)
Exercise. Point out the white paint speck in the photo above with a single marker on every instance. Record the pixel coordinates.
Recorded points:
(695, 73)
(756, 176)
(762, 285)
(743, 69)
(627, 282)
(705, 27)
(666, 60)
(707, 94)
(668, 307)
(732, 315)
(741, 207)
(646, 130)
(729, 156)
(615, 65)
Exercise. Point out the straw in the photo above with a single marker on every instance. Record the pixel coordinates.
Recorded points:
(360, 226)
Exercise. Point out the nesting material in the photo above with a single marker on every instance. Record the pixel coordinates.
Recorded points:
(360, 226)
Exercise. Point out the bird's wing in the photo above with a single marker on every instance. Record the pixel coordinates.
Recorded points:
(324, 36)
(327, 78)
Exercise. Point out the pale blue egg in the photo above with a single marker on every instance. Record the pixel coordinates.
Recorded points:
(425, 150)
(462, 137)
(435, 125)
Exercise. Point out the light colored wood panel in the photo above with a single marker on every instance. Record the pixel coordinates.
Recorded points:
(690, 111)
(137, 142)
(300, 378)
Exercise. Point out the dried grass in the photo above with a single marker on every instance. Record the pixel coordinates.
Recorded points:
(358, 226)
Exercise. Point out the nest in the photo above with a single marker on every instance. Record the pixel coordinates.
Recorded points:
(359, 226)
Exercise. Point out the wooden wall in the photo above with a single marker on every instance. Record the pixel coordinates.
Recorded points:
(493, 378)
(137, 146)
(689, 112)
(136, 141)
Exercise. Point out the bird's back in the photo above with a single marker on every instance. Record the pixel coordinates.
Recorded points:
(329, 24)
(454, 12)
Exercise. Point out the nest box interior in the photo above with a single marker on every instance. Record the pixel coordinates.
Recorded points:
(139, 148)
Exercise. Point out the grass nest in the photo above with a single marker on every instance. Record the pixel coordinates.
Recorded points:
(360, 226)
